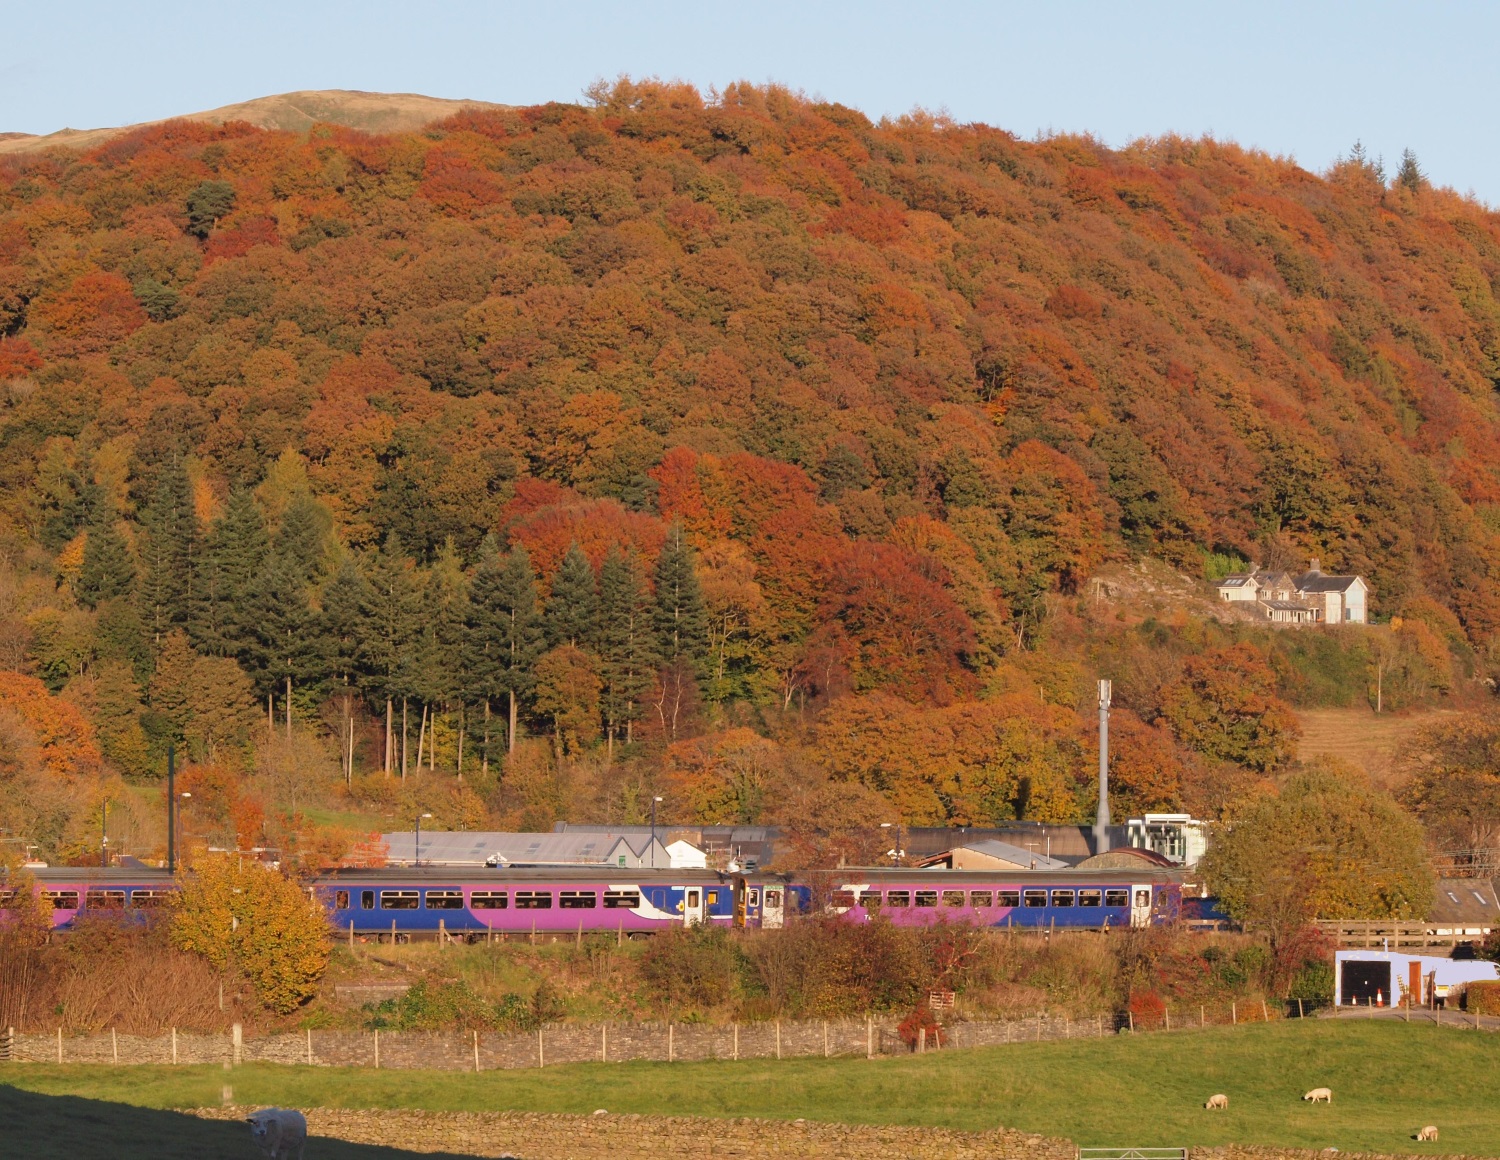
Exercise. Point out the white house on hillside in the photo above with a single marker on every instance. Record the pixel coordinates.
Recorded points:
(1311, 597)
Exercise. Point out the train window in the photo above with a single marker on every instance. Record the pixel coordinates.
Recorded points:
(6, 898)
(1117, 898)
(533, 900)
(754, 896)
(367, 900)
(148, 899)
(398, 900)
(898, 898)
(1034, 897)
(340, 900)
(1062, 898)
(577, 900)
(1143, 898)
(870, 899)
(1007, 898)
(622, 899)
(489, 900)
(843, 898)
(953, 898)
(105, 899)
(981, 898)
(62, 899)
(445, 900)
(1089, 898)
(926, 897)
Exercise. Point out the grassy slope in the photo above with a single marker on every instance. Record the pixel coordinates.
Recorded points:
(1388, 1079)
(1360, 736)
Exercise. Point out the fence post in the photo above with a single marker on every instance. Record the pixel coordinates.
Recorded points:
(1202, 1018)
(60, 1049)
(541, 1057)
(1265, 1016)
(604, 1043)
(1234, 1014)
(736, 1042)
(237, 1039)
(921, 1040)
(778, 1039)
(351, 934)
(869, 1036)
(1131, 1016)
(825, 1038)
(114, 1045)
(309, 1047)
(174, 1045)
(377, 1050)
(671, 1053)
(1166, 1014)
(476, 1052)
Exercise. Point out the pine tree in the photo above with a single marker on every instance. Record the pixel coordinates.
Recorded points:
(504, 629)
(234, 555)
(171, 683)
(284, 644)
(390, 618)
(626, 642)
(1410, 175)
(302, 535)
(170, 553)
(438, 678)
(680, 621)
(108, 569)
(573, 605)
(343, 625)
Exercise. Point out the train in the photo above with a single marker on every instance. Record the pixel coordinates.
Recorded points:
(483, 902)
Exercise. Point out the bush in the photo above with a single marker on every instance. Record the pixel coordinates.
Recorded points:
(1314, 983)
(1147, 1009)
(448, 1005)
(911, 1027)
(1482, 998)
(695, 966)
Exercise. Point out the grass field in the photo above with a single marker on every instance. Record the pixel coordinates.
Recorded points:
(1388, 1080)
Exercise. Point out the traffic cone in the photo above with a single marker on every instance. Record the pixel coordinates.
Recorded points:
(1380, 998)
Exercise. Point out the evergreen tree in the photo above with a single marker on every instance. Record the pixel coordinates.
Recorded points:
(345, 599)
(170, 552)
(108, 569)
(390, 619)
(438, 678)
(573, 605)
(680, 621)
(1410, 175)
(283, 644)
(302, 535)
(504, 629)
(171, 683)
(626, 642)
(234, 555)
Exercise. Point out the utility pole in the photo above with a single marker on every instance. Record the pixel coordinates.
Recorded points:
(1101, 819)
(171, 808)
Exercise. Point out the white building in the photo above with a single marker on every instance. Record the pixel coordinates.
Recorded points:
(1179, 838)
(1311, 597)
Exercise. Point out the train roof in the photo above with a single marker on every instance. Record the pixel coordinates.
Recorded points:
(903, 875)
(502, 875)
(101, 875)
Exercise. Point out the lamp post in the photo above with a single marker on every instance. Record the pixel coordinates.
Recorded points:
(104, 838)
(653, 830)
(417, 845)
(186, 796)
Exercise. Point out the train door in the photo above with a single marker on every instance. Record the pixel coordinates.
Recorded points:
(1140, 906)
(772, 908)
(740, 909)
(692, 905)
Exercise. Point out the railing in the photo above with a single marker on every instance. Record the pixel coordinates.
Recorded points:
(1379, 934)
(1132, 1154)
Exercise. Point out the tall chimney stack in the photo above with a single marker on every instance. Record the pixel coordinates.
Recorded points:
(1101, 819)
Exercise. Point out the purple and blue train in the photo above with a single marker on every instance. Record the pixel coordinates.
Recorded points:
(402, 903)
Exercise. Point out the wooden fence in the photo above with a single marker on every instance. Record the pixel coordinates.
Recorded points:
(1381, 934)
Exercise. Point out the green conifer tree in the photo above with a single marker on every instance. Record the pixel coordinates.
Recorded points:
(1410, 175)
(573, 605)
(234, 554)
(302, 537)
(390, 630)
(680, 621)
(108, 569)
(284, 645)
(505, 633)
(626, 642)
(169, 553)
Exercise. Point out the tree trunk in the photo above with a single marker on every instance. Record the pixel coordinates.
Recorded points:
(460, 743)
(270, 717)
(403, 738)
(511, 739)
(349, 777)
(390, 740)
(421, 737)
(484, 761)
(431, 747)
(289, 708)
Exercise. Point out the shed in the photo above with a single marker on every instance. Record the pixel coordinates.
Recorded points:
(1369, 978)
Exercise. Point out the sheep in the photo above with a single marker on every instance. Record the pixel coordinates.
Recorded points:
(1317, 1094)
(1220, 1101)
(1428, 1133)
(280, 1132)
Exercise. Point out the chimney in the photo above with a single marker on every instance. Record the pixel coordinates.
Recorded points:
(1101, 819)
(1312, 565)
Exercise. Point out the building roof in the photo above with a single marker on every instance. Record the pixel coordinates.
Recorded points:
(473, 848)
(1029, 859)
(1237, 580)
(1316, 581)
(1287, 605)
(1125, 858)
(1465, 902)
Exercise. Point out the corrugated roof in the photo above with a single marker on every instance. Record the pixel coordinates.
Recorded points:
(463, 848)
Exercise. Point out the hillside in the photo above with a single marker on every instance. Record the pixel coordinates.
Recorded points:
(729, 446)
(294, 112)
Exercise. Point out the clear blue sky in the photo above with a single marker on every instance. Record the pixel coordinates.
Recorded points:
(1303, 79)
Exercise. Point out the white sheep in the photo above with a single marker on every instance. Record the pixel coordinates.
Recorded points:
(281, 1133)
(1428, 1133)
(1220, 1101)
(1317, 1094)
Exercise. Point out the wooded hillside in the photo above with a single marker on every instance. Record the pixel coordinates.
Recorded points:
(720, 442)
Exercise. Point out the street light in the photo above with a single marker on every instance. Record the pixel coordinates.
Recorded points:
(653, 830)
(417, 845)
